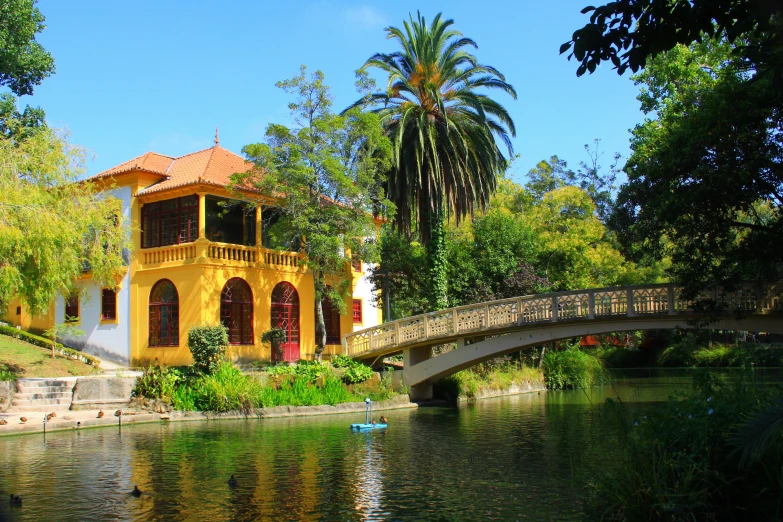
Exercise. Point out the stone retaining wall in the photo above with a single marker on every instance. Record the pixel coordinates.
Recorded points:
(93, 393)
(7, 390)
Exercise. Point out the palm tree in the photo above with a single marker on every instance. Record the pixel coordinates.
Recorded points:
(445, 132)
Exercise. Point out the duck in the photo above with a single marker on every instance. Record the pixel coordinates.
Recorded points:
(3, 422)
(232, 482)
(78, 425)
(23, 419)
(136, 492)
(384, 420)
(16, 500)
(51, 416)
(118, 413)
(100, 414)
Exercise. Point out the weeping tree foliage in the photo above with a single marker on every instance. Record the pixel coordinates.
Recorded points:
(323, 175)
(53, 227)
(444, 130)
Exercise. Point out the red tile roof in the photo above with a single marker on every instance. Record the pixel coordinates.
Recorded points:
(212, 166)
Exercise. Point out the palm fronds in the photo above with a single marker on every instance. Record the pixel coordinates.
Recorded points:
(445, 133)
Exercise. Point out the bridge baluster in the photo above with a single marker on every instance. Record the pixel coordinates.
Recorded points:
(554, 309)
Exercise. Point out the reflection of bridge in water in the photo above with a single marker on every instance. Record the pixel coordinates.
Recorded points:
(487, 330)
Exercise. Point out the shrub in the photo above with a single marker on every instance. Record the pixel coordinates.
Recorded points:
(310, 371)
(207, 344)
(354, 371)
(226, 389)
(275, 337)
(571, 368)
(7, 375)
(157, 382)
(681, 460)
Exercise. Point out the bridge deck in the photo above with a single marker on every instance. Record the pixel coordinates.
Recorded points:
(638, 302)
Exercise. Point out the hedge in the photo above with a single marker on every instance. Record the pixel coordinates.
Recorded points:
(43, 342)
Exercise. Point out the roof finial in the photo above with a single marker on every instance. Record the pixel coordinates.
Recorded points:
(217, 139)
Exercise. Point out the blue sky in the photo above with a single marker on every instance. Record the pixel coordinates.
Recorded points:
(150, 75)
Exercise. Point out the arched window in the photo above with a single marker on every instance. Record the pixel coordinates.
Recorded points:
(331, 320)
(236, 311)
(285, 315)
(164, 314)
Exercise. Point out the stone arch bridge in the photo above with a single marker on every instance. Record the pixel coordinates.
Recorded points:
(491, 329)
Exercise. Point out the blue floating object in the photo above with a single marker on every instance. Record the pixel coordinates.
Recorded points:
(368, 426)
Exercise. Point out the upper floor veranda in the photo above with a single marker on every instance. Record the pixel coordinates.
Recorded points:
(181, 211)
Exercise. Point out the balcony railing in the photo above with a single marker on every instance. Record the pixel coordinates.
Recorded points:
(222, 254)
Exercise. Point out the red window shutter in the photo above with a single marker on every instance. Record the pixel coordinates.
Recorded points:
(357, 311)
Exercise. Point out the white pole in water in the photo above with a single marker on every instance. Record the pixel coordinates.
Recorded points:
(367, 406)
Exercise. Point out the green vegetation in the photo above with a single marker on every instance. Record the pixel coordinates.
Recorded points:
(713, 454)
(571, 368)
(20, 359)
(228, 389)
(354, 372)
(331, 169)
(208, 345)
(445, 129)
(495, 375)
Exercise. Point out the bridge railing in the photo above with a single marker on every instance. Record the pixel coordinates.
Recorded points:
(628, 301)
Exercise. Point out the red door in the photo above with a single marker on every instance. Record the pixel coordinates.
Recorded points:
(285, 315)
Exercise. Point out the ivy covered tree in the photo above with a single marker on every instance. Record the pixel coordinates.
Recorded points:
(324, 175)
(445, 130)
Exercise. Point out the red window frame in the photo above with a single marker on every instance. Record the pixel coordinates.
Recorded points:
(357, 311)
(236, 311)
(331, 322)
(169, 222)
(108, 304)
(356, 263)
(72, 306)
(163, 316)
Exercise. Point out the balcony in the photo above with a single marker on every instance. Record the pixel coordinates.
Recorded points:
(208, 252)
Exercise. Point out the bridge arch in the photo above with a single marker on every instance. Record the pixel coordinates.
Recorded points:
(501, 327)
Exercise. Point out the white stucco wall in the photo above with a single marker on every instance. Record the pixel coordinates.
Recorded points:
(110, 340)
(363, 291)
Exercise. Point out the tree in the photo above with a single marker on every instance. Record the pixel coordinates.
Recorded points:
(323, 173)
(705, 179)
(23, 61)
(444, 132)
(53, 227)
(549, 175)
(629, 32)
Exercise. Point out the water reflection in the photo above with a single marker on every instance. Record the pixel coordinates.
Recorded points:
(517, 458)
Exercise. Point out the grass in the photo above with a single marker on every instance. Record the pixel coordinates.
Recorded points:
(19, 359)
(571, 369)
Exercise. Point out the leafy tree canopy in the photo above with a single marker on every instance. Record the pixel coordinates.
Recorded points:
(323, 175)
(52, 227)
(705, 180)
(630, 32)
(24, 63)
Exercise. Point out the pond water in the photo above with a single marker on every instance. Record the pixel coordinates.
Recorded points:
(525, 457)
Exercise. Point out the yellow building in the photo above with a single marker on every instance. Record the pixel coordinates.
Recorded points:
(194, 262)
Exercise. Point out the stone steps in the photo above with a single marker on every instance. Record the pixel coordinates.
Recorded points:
(43, 394)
